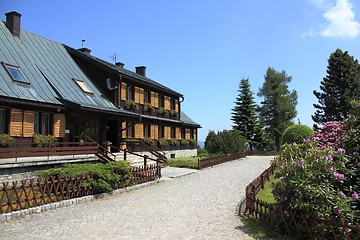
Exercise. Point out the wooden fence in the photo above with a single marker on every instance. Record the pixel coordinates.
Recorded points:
(208, 162)
(293, 222)
(34, 192)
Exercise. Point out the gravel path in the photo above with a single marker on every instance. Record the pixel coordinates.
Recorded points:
(201, 205)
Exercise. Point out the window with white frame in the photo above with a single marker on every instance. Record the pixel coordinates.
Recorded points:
(83, 86)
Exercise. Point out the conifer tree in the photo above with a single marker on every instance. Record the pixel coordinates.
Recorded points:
(338, 88)
(244, 114)
(278, 107)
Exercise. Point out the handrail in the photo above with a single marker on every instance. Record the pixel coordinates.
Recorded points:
(102, 148)
(136, 154)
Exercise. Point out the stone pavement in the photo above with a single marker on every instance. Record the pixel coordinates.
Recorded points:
(200, 205)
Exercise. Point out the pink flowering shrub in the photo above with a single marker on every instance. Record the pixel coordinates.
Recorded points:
(312, 180)
(330, 134)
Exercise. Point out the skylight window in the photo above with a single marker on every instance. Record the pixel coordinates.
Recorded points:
(83, 86)
(15, 73)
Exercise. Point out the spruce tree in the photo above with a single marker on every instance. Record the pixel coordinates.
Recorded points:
(278, 107)
(244, 114)
(338, 88)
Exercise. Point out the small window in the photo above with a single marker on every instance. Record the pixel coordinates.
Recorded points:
(130, 130)
(173, 132)
(191, 133)
(161, 131)
(15, 73)
(147, 96)
(42, 123)
(183, 135)
(83, 86)
(161, 101)
(130, 92)
(172, 104)
(147, 130)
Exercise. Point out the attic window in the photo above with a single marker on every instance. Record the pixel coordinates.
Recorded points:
(83, 86)
(15, 73)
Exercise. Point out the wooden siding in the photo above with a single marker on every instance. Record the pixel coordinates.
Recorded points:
(123, 91)
(139, 130)
(59, 125)
(28, 124)
(16, 118)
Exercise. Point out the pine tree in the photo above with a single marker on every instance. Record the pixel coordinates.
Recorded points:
(278, 107)
(244, 114)
(338, 88)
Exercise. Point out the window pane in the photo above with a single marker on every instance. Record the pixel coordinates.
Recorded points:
(47, 124)
(36, 123)
(2, 120)
(83, 86)
(16, 74)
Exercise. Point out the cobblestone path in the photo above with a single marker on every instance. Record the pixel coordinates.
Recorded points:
(202, 205)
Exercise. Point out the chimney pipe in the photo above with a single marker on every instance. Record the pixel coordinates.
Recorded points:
(141, 70)
(13, 23)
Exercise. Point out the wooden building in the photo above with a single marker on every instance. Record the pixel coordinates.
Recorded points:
(48, 88)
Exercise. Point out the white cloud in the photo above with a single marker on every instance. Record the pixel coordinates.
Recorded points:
(341, 21)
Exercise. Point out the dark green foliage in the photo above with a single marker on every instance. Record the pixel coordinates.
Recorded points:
(225, 142)
(278, 107)
(105, 177)
(202, 152)
(296, 134)
(338, 88)
(244, 114)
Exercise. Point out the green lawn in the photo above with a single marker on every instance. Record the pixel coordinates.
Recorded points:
(266, 194)
(185, 162)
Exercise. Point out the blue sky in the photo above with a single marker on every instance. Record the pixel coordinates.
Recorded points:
(204, 48)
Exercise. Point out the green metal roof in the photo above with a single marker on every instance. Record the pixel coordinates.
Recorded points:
(124, 71)
(188, 121)
(50, 70)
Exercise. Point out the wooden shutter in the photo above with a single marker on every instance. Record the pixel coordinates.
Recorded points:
(155, 132)
(123, 133)
(187, 134)
(16, 118)
(141, 93)
(139, 130)
(28, 124)
(154, 99)
(195, 134)
(167, 102)
(176, 105)
(178, 133)
(123, 91)
(137, 95)
(59, 125)
(167, 132)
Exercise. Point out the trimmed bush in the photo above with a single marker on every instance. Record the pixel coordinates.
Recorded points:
(296, 134)
(105, 177)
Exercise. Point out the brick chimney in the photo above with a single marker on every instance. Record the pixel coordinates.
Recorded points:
(141, 70)
(119, 64)
(85, 50)
(13, 23)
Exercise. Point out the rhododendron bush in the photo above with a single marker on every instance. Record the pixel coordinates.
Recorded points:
(319, 176)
